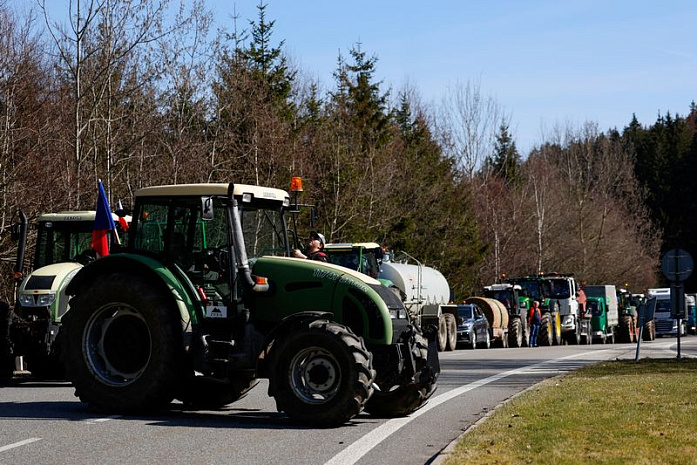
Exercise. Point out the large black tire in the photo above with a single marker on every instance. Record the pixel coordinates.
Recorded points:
(451, 323)
(515, 333)
(624, 333)
(7, 359)
(487, 341)
(322, 375)
(442, 334)
(390, 402)
(545, 336)
(649, 333)
(203, 393)
(123, 346)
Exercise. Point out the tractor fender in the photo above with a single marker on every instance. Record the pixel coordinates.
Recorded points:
(287, 325)
(169, 282)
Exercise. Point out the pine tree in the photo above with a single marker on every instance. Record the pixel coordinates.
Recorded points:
(505, 160)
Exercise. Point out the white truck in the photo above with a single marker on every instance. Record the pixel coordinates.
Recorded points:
(565, 290)
(666, 325)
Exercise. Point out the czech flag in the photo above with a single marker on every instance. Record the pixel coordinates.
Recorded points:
(122, 221)
(103, 223)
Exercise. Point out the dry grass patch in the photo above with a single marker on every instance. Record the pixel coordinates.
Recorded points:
(609, 413)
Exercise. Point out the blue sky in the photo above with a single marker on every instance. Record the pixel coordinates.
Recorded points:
(546, 63)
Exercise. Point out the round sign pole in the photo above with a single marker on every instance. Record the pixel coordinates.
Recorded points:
(677, 266)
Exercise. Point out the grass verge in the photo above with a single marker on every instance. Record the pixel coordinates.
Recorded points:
(609, 413)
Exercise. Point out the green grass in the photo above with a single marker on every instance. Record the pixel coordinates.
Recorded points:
(610, 413)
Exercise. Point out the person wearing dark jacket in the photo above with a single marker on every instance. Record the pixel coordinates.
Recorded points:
(315, 248)
(534, 322)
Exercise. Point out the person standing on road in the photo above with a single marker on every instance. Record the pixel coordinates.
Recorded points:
(315, 248)
(534, 322)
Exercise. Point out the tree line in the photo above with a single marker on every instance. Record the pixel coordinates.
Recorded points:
(129, 95)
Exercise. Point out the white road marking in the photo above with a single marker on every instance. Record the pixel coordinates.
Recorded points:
(101, 420)
(19, 444)
(365, 444)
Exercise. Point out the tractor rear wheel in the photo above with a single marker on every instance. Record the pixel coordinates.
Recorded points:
(322, 375)
(123, 347)
(649, 333)
(546, 332)
(625, 329)
(390, 401)
(451, 323)
(515, 333)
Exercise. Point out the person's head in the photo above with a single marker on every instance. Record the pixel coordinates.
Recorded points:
(316, 241)
(535, 304)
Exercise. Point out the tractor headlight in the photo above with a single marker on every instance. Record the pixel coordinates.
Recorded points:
(38, 300)
(398, 313)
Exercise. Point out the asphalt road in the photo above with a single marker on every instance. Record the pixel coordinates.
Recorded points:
(42, 422)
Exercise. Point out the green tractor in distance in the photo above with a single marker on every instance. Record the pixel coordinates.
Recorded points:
(627, 329)
(517, 304)
(205, 300)
(538, 288)
(31, 329)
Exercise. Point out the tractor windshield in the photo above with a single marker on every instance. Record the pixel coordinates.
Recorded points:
(559, 289)
(535, 288)
(265, 232)
(63, 241)
(505, 296)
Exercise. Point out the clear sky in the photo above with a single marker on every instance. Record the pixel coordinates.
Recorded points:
(547, 63)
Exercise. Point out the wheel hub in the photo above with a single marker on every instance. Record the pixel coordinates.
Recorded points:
(315, 375)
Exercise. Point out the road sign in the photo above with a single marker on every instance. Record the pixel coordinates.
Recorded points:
(677, 265)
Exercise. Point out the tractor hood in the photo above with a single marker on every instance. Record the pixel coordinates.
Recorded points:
(370, 309)
(45, 287)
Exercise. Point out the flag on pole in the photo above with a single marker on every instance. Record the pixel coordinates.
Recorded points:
(103, 223)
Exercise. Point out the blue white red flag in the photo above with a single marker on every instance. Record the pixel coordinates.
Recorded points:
(103, 223)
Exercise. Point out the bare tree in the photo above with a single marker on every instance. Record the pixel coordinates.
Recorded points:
(467, 125)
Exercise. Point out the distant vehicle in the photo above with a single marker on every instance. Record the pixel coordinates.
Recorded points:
(472, 327)
(666, 325)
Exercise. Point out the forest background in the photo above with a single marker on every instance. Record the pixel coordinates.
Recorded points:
(126, 94)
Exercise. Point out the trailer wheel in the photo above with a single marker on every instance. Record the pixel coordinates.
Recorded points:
(123, 345)
(322, 375)
(7, 359)
(451, 323)
(402, 400)
(515, 333)
(442, 334)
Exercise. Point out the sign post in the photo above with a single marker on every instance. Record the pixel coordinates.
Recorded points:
(677, 266)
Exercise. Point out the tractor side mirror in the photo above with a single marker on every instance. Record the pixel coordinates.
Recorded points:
(207, 208)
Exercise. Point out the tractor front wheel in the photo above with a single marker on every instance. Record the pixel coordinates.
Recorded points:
(398, 401)
(515, 333)
(546, 333)
(123, 347)
(322, 375)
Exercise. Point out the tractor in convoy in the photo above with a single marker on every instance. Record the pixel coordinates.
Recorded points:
(517, 305)
(539, 288)
(31, 329)
(206, 299)
(424, 290)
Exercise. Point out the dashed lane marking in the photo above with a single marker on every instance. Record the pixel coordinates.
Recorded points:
(19, 444)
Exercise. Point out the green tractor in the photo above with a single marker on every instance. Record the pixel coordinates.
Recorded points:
(205, 300)
(517, 305)
(539, 288)
(31, 329)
